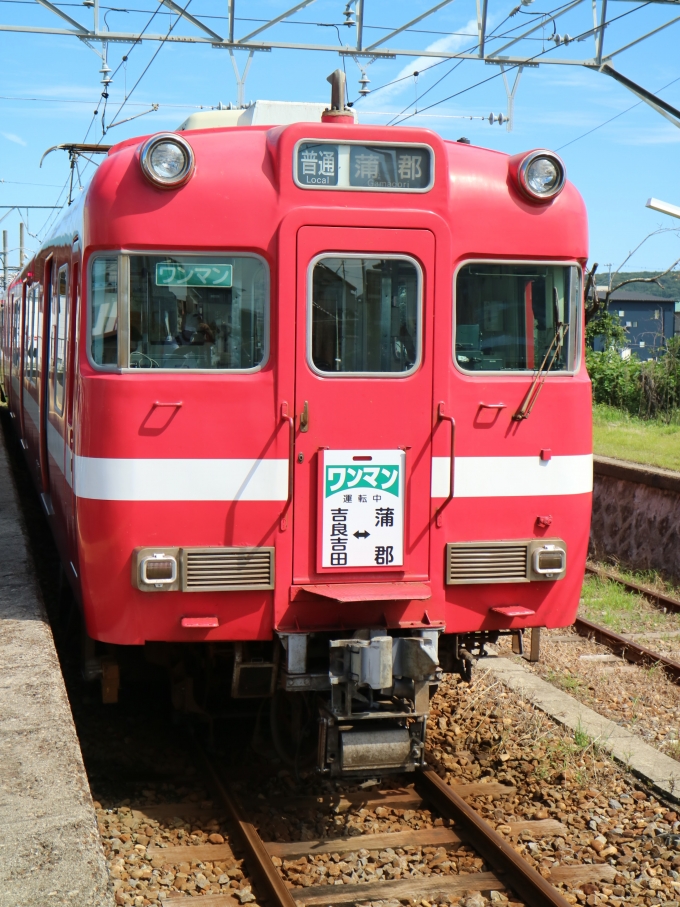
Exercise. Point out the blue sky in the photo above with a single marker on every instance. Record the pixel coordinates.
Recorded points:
(617, 167)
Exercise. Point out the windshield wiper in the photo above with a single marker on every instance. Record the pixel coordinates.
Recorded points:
(538, 381)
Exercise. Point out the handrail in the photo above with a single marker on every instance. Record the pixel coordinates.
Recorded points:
(441, 415)
(286, 417)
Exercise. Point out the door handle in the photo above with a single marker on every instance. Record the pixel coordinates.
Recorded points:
(441, 415)
(286, 417)
(304, 417)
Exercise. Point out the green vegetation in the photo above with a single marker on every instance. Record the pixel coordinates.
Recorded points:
(609, 604)
(650, 390)
(655, 442)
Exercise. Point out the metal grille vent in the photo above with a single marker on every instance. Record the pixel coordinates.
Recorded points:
(227, 569)
(486, 563)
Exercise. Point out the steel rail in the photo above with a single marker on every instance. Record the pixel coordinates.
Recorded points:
(270, 884)
(515, 872)
(511, 869)
(671, 604)
(631, 651)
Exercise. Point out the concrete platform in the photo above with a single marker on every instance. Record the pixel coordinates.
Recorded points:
(50, 852)
(657, 770)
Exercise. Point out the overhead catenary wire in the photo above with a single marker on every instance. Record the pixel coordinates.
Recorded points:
(615, 117)
(493, 34)
(253, 19)
(148, 65)
(512, 66)
(89, 103)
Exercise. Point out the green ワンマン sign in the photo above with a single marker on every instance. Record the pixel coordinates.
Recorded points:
(203, 274)
(360, 478)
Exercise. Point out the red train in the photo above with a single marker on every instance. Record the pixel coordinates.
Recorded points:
(314, 398)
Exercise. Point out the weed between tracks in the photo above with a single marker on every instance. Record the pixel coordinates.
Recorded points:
(605, 602)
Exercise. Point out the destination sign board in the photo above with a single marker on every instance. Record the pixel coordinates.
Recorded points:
(194, 274)
(363, 508)
(373, 168)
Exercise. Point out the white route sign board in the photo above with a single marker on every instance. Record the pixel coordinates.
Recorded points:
(363, 508)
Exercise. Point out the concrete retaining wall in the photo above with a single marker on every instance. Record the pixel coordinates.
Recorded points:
(636, 516)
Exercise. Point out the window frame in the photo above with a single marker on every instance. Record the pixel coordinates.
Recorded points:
(54, 327)
(419, 311)
(520, 373)
(123, 257)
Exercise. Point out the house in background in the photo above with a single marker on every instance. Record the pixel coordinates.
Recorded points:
(649, 321)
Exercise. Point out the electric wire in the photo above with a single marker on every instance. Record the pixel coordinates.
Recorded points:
(148, 65)
(467, 50)
(366, 26)
(615, 117)
(493, 35)
(512, 66)
(89, 103)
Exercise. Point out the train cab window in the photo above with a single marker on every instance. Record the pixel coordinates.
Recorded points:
(365, 315)
(104, 312)
(516, 317)
(198, 312)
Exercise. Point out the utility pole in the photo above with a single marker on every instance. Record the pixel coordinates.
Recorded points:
(4, 260)
(21, 245)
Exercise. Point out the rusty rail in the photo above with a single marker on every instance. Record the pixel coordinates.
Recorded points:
(260, 865)
(516, 873)
(508, 869)
(627, 649)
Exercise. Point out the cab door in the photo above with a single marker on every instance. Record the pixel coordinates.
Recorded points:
(363, 404)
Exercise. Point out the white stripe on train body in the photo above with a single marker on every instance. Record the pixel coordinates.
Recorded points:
(109, 479)
(512, 477)
(105, 479)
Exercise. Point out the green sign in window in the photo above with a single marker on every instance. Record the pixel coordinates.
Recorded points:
(175, 274)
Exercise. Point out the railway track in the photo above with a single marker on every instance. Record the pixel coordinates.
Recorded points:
(621, 645)
(506, 871)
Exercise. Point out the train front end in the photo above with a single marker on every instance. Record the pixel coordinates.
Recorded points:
(333, 416)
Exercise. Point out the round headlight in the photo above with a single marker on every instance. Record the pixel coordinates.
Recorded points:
(167, 160)
(542, 175)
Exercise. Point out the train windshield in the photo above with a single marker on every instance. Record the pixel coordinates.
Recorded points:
(185, 311)
(365, 315)
(516, 317)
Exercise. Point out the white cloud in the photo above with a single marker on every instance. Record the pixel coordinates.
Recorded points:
(11, 137)
(447, 44)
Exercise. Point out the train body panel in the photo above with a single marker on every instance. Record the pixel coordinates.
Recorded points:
(303, 399)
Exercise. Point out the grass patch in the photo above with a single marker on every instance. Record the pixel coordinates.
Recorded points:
(606, 602)
(581, 739)
(650, 578)
(565, 681)
(649, 441)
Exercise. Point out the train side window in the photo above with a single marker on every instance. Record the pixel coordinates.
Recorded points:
(508, 316)
(30, 338)
(364, 315)
(28, 318)
(104, 311)
(58, 321)
(198, 312)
